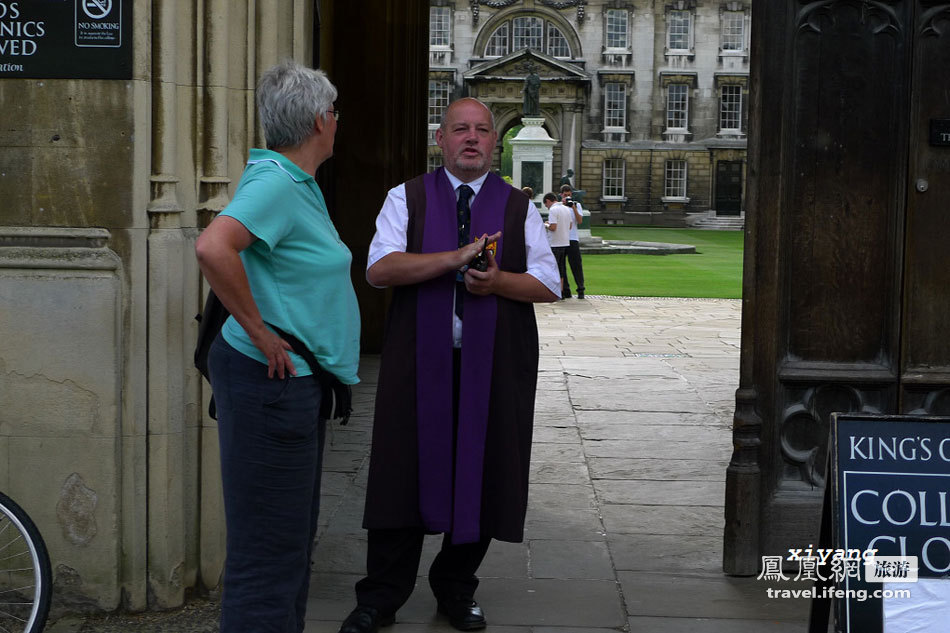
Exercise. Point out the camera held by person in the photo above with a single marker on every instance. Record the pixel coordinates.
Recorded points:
(569, 202)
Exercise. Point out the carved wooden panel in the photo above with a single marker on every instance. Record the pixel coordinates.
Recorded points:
(932, 401)
(803, 425)
(846, 154)
(926, 326)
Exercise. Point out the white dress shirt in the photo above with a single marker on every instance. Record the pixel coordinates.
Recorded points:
(393, 222)
(563, 217)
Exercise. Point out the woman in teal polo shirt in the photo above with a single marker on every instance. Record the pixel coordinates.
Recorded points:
(274, 256)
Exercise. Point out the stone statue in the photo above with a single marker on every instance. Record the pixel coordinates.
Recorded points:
(532, 93)
(568, 178)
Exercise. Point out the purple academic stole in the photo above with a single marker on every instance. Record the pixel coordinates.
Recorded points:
(434, 310)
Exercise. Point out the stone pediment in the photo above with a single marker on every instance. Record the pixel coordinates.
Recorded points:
(517, 65)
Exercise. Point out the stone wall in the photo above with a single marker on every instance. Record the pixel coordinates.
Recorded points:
(644, 184)
(106, 183)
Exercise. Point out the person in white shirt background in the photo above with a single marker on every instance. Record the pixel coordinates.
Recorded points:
(560, 221)
(574, 249)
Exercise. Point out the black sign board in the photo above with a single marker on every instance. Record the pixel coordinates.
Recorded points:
(940, 131)
(890, 478)
(66, 39)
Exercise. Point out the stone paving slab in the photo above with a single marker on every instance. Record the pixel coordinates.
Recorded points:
(437, 625)
(553, 452)
(619, 395)
(661, 493)
(554, 602)
(706, 435)
(562, 629)
(341, 554)
(714, 625)
(591, 367)
(682, 595)
(504, 560)
(559, 473)
(343, 461)
(334, 483)
(585, 419)
(555, 434)
(570, 559)
(578, 524)
(653, 519)
(559, 419)
(347, 518)
(645, 469)
(666, 553)
(553, 408)
(656, 448)
(331, 596)
(563, 496)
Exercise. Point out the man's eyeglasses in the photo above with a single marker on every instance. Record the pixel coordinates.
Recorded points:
(335, 113)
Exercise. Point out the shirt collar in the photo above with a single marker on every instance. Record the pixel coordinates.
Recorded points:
(474, 184)
(286, 165)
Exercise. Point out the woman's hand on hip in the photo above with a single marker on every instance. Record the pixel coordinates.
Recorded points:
(275, 349)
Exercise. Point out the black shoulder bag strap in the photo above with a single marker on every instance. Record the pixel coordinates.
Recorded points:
(336, 398)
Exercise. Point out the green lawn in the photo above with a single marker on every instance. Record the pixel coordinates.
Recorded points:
(715, 270)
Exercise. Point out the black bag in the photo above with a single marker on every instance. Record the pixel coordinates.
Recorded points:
(336, 400)
(209, 321)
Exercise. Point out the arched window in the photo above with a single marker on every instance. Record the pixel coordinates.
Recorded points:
(498, 42)
(528, 31)
(557, 43)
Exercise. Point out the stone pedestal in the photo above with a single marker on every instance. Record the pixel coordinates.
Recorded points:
(583, 229)
(533, 157)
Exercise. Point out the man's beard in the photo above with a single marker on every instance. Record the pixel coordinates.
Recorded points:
(471, 164)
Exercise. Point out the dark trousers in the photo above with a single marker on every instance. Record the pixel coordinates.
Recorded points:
(560, 252)
(271, 444)
(392, 556)
(577, 268)
(392, 563)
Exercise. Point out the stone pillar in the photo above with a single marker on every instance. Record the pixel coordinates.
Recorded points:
(532, 156)
(61, 402)
(106, 184)
(168, 470)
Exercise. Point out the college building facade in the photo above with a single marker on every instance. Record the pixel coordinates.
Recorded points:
(646, 100)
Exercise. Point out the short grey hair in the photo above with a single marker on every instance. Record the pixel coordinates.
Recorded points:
(289, 98)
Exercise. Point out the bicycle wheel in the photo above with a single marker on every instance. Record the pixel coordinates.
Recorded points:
(25, 574)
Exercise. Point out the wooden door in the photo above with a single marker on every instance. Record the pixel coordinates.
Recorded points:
(925, 328)
(846, 285)
(728, 187)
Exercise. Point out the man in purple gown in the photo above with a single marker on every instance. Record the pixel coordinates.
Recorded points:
(455, 401)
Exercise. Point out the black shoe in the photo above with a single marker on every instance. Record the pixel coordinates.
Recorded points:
(464, 614)
(580, 294)
(365, 620)
(566, 295)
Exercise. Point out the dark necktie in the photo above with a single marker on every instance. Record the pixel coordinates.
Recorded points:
(464, 215)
